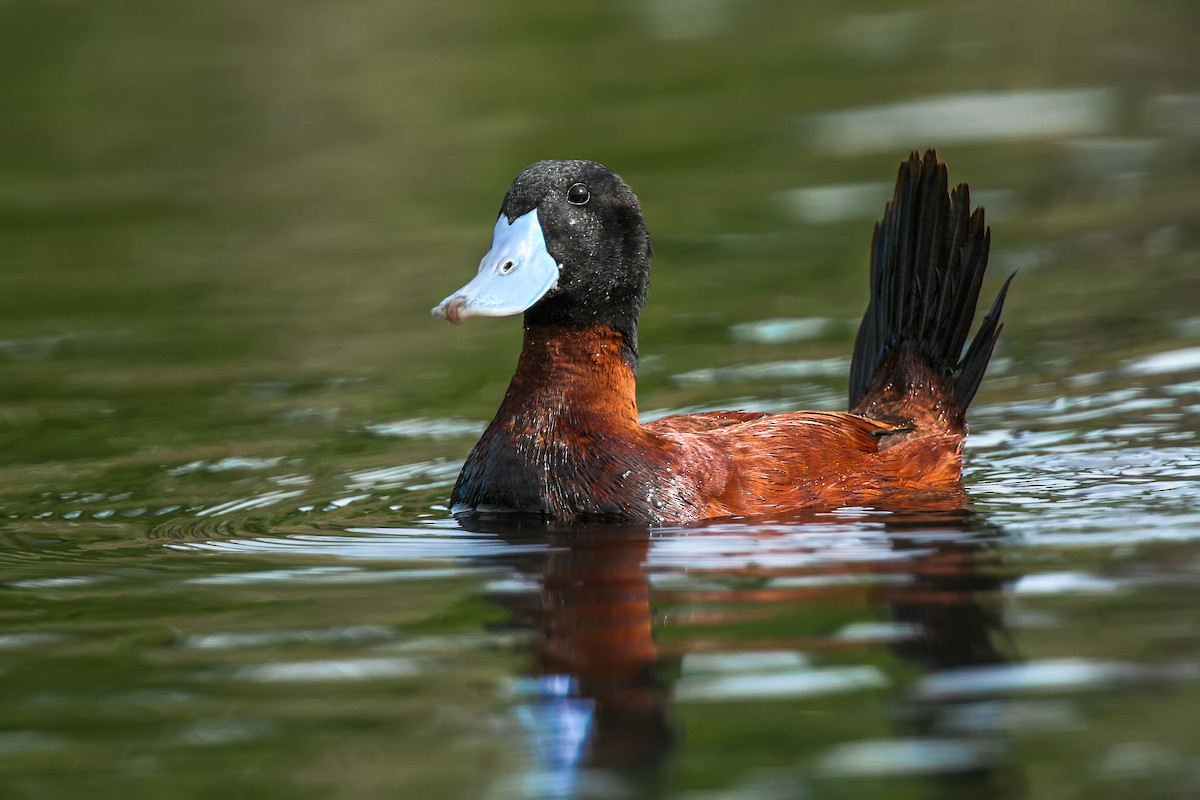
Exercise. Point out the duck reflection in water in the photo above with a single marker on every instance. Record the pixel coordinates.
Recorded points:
(594, 698)
(600, 689)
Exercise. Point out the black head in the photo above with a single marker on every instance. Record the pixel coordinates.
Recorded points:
(582, 260)
(594, 228)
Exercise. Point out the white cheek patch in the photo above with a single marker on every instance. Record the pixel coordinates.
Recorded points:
(515, 273)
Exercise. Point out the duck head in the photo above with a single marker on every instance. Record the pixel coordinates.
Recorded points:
(570, 248)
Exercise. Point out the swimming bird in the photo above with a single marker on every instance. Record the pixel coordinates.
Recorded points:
(571, 251)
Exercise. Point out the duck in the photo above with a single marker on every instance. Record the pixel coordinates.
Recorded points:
(571, 251)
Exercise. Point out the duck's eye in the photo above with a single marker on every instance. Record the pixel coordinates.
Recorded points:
(578, 194)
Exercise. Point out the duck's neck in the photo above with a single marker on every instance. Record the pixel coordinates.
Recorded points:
(566, 441)
(568, 374)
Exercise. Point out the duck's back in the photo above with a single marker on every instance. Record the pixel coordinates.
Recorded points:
(774, 463)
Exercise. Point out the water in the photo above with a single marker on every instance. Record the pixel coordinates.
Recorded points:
(229, 427)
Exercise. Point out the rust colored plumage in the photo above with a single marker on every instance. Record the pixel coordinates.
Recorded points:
(566, 441)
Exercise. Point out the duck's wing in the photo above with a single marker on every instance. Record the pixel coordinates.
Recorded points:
(835, 429)
(704, 421)
(776, 462)
(806, 433)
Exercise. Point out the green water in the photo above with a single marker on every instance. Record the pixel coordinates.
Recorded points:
(229, 426)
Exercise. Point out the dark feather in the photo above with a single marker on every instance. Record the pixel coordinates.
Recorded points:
(928, 260)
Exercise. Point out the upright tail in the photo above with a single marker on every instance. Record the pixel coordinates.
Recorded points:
(928, 258)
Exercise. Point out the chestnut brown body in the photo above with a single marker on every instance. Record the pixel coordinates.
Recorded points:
(566, 442)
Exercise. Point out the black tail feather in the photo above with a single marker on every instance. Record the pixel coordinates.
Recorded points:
(928, 258)
(975, 362)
